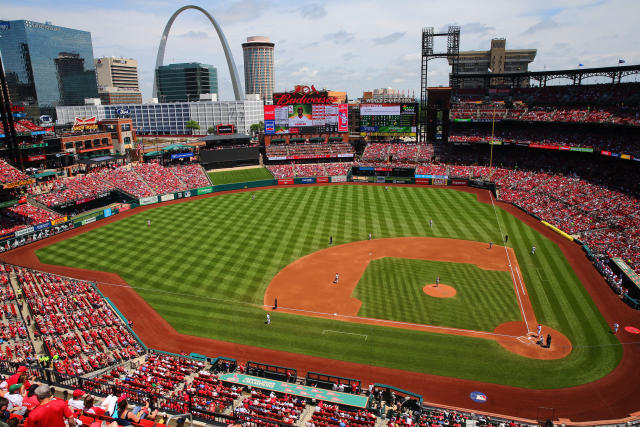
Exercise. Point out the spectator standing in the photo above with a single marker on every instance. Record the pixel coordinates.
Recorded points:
(50, 413)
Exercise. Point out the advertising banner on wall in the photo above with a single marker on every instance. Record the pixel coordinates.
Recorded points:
(148, 200)
(287, 181)
(167, 197)
(269, 119)
(343, 118)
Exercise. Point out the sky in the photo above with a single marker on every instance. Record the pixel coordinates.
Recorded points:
(346, 45)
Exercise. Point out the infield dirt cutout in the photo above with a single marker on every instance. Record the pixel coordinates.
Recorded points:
(305, 287)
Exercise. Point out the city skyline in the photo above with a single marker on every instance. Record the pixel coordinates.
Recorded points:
(351, 46)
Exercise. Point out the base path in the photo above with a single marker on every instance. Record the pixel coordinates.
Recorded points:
(306, 286)
(611, 397)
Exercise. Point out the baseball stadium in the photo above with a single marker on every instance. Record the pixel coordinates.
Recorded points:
(480, 270)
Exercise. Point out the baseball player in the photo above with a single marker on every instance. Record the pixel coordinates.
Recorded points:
(268, 322)
(616, 326)
(335, 281)
(148, 223)
(539, 330)
(369, 236)
(253, 196)
(490, 244)
(533, 250)
(437, 281)
(430, 223)
(331, 240)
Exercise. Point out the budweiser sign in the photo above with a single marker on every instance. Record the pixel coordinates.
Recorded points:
(85, 124)
(303, 95)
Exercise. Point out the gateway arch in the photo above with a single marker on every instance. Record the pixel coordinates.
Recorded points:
(237, 90)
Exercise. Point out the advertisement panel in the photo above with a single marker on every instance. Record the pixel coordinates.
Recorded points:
(458, 182)
(322, 179)
(59, 220)
(148, 200)
(19, 183)
(379, 110)
(24, 231)
(343, 118)
(167, 197)
(88, 220)
(107, 212)
(42, 226)
(287, 181)
(80, 124)
(269, 119)
(181, 155)
(225, 129)
(439, 181)
(36, 158)
(424, 181)
(204, 190)
(309, 180)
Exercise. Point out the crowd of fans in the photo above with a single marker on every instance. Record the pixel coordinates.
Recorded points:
(398, 152)
(141, 180)
(10, 174)
(78, 329)
(621, 143)
(310, 170)
(23, 215)
(493, 110)
(309, 149)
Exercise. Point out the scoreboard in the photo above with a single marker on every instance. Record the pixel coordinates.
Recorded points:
(388, 119)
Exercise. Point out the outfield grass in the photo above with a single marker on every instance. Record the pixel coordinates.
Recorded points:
(240, 175)
(391, 288)
(204, 265)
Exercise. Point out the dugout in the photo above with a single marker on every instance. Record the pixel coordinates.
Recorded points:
(394, 395)
(273, 372)
(223, 364)
(327, 381)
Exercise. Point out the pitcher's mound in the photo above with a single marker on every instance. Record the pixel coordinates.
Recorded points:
(440, 291)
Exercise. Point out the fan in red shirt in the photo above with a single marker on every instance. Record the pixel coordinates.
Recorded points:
(14, 379)
(50, 413)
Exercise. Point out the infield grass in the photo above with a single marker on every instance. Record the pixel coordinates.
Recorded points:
(391, 288)
(240, 175)
(204, 266)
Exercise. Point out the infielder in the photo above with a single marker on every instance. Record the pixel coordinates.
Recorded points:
(335, 281)
(616, 326)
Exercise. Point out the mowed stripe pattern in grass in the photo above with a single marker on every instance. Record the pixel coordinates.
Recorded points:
(205, 264)
(391, 289)
(240, 175)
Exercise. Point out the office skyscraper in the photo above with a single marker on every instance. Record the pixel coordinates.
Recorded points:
(46, 65)
(258, 67)
(186, 82)
(118, 80)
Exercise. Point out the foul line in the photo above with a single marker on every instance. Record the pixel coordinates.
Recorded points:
(513, 277)
(347, 333)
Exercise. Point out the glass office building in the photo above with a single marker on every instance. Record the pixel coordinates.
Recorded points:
(47, 66)
(185, 82)
(170, 118)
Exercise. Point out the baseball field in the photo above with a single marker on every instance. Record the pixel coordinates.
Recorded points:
(205, 266)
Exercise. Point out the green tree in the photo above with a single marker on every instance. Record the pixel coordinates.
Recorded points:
(257, 128)
(192, 125)
(211, 130)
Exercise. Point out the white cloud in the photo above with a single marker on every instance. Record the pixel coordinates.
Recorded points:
(338, 49)
(313, 11)
(393, 37)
